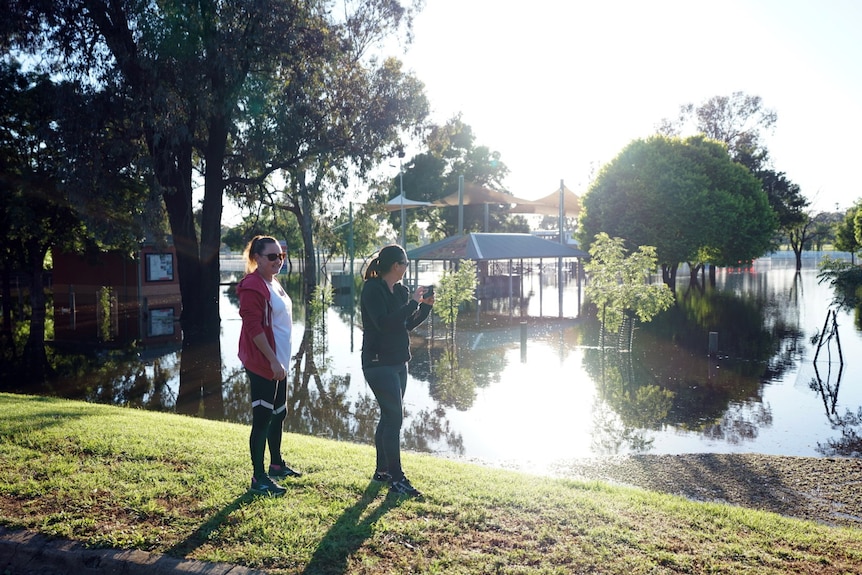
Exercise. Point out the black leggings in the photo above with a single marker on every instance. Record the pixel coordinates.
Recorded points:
(268, 410)
(388, 382)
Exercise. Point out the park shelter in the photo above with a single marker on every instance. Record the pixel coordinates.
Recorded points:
(501, 259)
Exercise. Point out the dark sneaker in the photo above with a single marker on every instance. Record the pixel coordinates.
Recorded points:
(282, 471)
(403, 487)
(263, 485)
(382, 476)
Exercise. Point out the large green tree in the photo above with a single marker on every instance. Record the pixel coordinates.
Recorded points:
(346, 116)
(188, 70)
(741, 121)
(686, 197)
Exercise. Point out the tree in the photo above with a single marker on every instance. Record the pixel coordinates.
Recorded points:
(856, 227)
(187, 70)
(737, 120)
(685, 197)
(799, 236)
(740, 120)
(456, 287)
(339, 124)
(786, 200)
(824, 230)
(619, 284)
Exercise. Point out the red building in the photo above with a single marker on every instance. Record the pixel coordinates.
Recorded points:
(114, 299)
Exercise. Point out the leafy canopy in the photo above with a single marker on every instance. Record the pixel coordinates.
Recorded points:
(686, 197)
(619, 283)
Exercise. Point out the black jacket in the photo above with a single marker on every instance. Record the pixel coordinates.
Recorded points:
(387, 317)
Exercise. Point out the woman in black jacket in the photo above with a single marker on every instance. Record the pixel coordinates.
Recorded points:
(389, 312)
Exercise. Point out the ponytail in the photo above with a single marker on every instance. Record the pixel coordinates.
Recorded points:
(386, 258)
(373, 269)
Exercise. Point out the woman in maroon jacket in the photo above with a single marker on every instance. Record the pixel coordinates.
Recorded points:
(264, 350)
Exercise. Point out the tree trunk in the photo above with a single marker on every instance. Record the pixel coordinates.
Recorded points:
(35, 360)
(210, 320)
(304, 219)
(797, 238)
(7, 341)
(668, 274)
(178, 202)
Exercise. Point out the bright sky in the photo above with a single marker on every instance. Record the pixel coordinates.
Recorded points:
(560, 87)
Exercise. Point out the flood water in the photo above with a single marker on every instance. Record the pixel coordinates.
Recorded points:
(487, 396)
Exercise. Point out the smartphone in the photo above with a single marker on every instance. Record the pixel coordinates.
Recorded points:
(429, 292)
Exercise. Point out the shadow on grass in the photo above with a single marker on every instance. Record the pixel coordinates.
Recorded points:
(42, 413)
(201, 534)
(349, 532)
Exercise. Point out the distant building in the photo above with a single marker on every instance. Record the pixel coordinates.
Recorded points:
(112, 299)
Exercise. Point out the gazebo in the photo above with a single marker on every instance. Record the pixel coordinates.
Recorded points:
(487, 249)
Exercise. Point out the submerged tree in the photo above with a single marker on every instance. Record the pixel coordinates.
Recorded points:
(740, 121)
(455, 288)
(685, 197)
(619, 285)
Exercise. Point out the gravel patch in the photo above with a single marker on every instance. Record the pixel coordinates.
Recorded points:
(826, 490)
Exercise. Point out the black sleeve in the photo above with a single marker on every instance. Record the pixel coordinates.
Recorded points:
(381, 318)
(419, 315)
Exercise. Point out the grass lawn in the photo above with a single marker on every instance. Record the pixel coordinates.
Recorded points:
(117, 477)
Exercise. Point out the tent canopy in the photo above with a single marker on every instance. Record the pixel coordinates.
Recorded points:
(479, 194)
(395, 204)
(478, 246)
(550, 204)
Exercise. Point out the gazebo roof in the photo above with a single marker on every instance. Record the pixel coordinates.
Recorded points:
(481, 246)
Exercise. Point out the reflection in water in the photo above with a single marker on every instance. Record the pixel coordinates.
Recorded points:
(474, 397)
(849, 444)
(740, 423)
(320, 402)
(451, 385)
(200, 388)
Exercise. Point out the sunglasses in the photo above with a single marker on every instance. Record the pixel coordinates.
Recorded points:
(273, 257)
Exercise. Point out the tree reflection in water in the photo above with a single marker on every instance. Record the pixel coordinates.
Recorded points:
(668, 379)
(200, 387)
(451, 385)
(849, 444)
(667, 385)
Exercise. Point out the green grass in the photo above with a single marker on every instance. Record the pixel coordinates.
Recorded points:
(117, 477)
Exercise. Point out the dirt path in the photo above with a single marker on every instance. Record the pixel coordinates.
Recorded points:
(827, 490)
